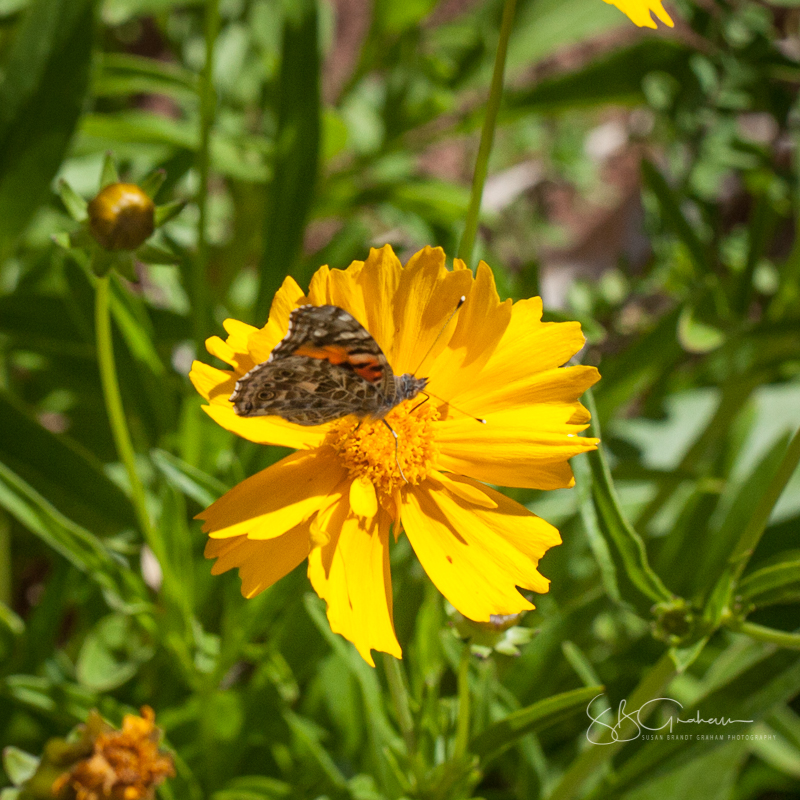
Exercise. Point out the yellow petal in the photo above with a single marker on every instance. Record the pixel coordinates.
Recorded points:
(363, 499)
(479, 326)
(267, 430)
(378, 281)
(278, 498)
(212, 383)
(639, 12)
(260, 563)
(427, 294)
(238, 333)
(468, 491)
(529, 345)
(477, 556)
(526, 447)
(491, 393)
(351, 573)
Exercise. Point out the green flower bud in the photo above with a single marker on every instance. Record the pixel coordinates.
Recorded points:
(121, 217)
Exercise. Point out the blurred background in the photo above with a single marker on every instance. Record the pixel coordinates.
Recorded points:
(643, 182)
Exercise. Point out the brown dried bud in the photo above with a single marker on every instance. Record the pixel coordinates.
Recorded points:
(121, 217)
(122, 765)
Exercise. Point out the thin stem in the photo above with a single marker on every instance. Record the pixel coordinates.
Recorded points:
(208, 103)
(113, 401)
(401, 700)
(591, 760)
(785, 639)
(5, 559)
(464, 710)
(487, 135)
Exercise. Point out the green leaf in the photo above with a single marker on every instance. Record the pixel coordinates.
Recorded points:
(776, 582)
(591, 526)
(633, 372)
(296, 155)
(503, 734)
(168, 211)
(638, 583)
(193, 482)
(697, 336)
(711, 776)
(749, 695)
(111, 654)
(253, 787)
(752, 531)
(45, 81)
(76, 544)
(120, 74)
(72, 479)
(19, 765)
(109, 174)
(76, 206)
(381, 734)
(674, 218)
(131, 316)
(615, 77)
(739, 500)
(152, 183)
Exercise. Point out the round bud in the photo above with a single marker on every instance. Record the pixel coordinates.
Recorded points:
(121, 217)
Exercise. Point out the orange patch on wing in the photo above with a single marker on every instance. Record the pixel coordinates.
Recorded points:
(334, 353)
(371, 371)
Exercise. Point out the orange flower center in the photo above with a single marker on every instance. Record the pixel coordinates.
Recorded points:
(370, 451)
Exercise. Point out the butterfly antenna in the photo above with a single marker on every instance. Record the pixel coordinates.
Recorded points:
(461, 301)
(396, 440)
(448, 403)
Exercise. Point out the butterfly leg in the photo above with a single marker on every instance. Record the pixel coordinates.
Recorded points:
(396, 459)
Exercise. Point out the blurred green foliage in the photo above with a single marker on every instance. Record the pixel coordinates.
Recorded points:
(301, 133)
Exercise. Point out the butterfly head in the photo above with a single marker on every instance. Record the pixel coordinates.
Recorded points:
(409, 386)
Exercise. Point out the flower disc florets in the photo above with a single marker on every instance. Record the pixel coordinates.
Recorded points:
(369, 452)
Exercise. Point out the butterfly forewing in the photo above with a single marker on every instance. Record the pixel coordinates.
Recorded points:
(326, 367)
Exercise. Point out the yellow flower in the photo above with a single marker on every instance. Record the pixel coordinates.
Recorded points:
(339, 497)
(639, 11)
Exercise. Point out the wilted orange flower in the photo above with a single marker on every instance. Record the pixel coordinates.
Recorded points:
(639, 12)
(338, 498)
(123, 765)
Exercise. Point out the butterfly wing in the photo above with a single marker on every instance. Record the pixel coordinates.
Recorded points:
(326, 367)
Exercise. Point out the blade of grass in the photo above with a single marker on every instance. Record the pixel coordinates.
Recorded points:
(297, 153)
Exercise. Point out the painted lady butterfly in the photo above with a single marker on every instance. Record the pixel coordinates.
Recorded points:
(326, 367)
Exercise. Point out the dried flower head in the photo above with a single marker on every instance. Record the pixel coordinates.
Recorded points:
(122, 765)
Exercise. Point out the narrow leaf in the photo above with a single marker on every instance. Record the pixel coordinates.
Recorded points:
(46, 76)
(500, 736)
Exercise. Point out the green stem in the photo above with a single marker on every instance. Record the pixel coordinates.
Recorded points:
(401, 700)
(785, 639)
(5, 559)
(464, 711)
(487, 135)
(592, 759)
(113, 401)
(208, 103)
